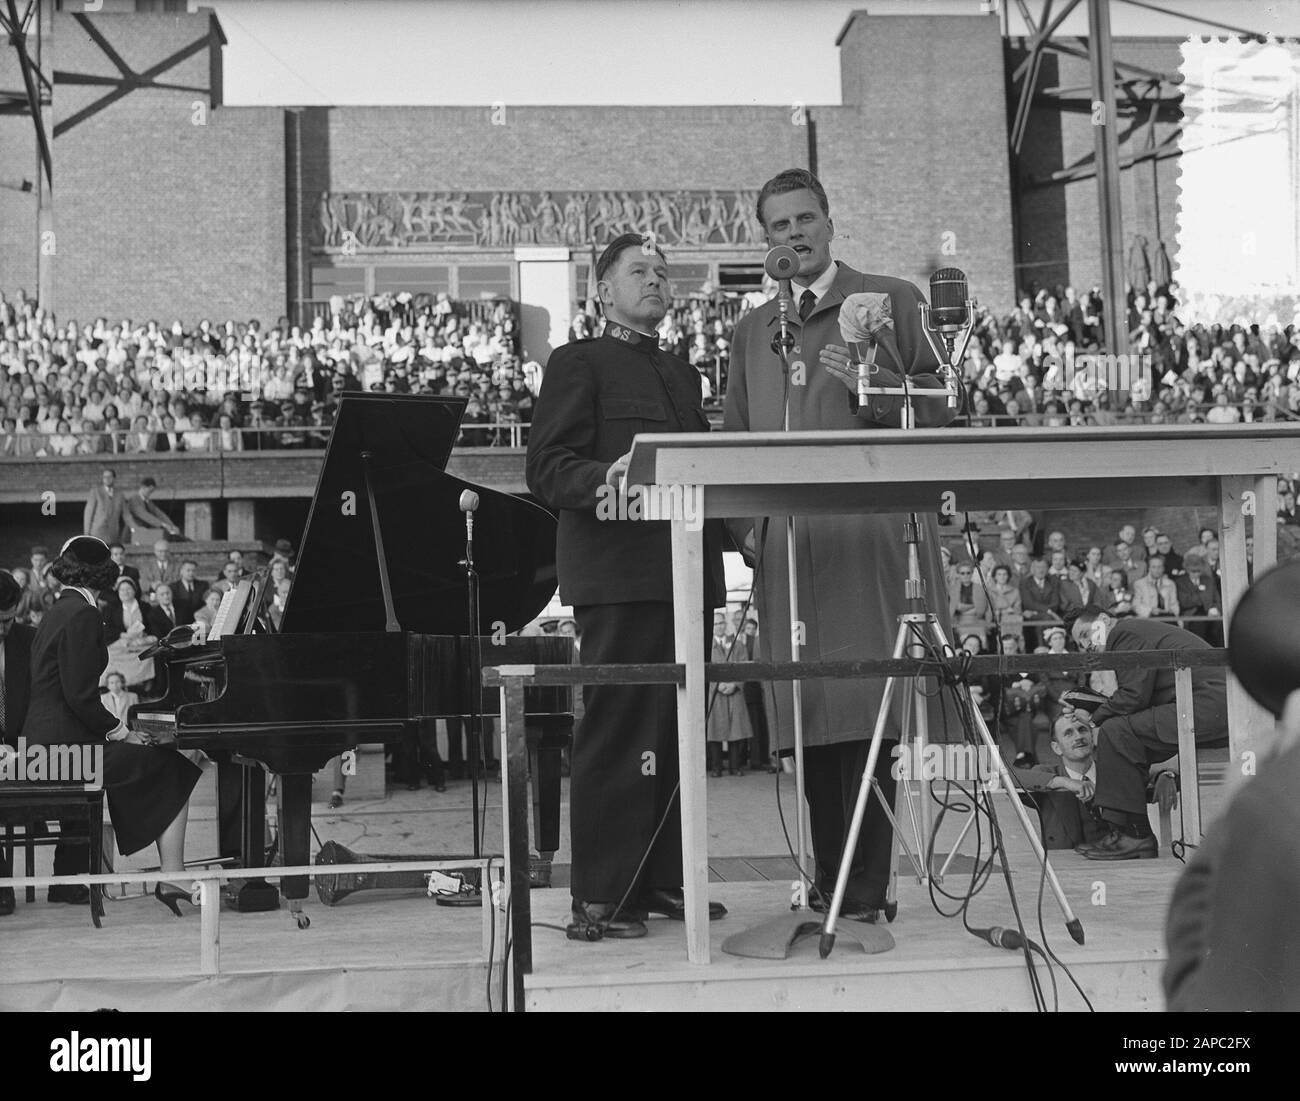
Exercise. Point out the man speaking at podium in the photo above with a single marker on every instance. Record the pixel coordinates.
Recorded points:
(851, 569)
(617, 573)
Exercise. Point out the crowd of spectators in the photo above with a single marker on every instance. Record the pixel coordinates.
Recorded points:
(114, 387)
(1028, 367)
(1016, 599)
(129, 387)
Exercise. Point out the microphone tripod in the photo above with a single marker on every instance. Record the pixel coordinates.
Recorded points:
(913, 626)
(773, 938)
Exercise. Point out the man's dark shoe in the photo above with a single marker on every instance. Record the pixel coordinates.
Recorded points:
(588, 917)
(7, 901)
(671, 903)
(72, 893)
(1127, 848)
(1104, 844)
(849, 910)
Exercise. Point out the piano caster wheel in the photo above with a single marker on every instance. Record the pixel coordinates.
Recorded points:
(891, 911)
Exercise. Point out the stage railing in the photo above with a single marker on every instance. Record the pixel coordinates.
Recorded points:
(513, 679)
(207, 884)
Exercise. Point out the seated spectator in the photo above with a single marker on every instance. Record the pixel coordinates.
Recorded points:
(1004, 602)
(967, 604)
(230, 577)
(1155, 595)
(1173, 560)
(1117, 597)
(1040, 598)
(118, 699)
(203, 616)
(1060, 791)
(1198, 595)
(126, 632)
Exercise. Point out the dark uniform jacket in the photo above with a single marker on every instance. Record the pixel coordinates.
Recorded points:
(68, 657)
(596, 396)
(18, 668)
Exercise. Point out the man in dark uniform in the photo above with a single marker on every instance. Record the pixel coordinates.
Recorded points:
(617, 574)
(15, 677)
(1138, 725)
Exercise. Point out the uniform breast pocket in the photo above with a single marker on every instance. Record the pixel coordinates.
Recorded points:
(641, 409)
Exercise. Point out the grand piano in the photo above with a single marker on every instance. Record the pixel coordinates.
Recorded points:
(376, 635)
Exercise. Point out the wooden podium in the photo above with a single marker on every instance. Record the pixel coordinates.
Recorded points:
(689, 477)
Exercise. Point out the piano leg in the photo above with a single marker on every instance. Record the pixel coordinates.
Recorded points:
(230, 807)
(251, 896)
(295, 838)
(546, 742)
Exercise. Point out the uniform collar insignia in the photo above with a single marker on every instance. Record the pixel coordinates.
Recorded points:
(630, 336)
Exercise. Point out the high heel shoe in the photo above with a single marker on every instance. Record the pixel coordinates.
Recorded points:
(170, 898)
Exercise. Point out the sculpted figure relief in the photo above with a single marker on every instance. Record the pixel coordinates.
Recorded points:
(502, 219)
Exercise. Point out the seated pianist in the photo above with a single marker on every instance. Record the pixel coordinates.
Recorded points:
(147, 786)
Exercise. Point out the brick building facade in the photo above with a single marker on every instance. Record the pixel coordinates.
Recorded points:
(170, 204)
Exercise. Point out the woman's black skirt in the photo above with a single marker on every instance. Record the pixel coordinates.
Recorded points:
(146, 787)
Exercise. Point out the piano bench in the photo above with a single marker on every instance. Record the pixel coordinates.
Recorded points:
(29, 806)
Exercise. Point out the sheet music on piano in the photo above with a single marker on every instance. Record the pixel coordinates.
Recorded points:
(226, 621)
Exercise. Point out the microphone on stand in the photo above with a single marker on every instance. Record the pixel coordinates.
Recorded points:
(468, 505)
(950, 315)
(469, 502)
(782, 264)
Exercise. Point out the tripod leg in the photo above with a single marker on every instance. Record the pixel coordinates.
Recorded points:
(860, 807)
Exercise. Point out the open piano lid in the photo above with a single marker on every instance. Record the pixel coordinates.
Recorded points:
(336, 586)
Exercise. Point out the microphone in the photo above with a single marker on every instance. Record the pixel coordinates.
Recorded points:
(950, 315)
(468, 505)
(948, 295)
(1004, 938)
(782, 264)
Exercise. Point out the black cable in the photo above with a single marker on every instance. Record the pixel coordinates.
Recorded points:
(487, 900)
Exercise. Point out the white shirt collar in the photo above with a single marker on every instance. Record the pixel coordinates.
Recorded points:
(90, 597)
(819, 286)
(1091, 774)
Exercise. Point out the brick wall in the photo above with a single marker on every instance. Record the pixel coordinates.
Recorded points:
(917, 158)
(166, 205)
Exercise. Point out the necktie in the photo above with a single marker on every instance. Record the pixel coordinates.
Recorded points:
(807, 301)
(1160, 599)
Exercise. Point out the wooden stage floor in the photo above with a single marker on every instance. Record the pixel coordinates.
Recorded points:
(386, 950)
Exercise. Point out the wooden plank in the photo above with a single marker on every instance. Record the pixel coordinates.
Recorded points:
(1189, 777)
(1264, 527)
(514, 811)
(774, 458)
(1245, 723)
(688, 625)
(956, 491)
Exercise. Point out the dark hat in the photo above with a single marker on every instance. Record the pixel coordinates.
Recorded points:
(10, 594)
(283, 546)
(1264, 648)
(85, 550)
